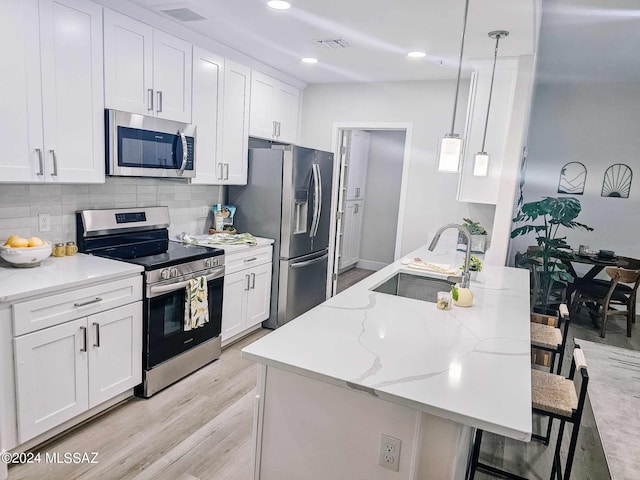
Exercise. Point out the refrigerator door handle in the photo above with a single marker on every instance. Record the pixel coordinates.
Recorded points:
(309, 262)
(317, 199)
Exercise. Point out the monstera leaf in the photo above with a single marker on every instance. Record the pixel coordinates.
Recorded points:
(544, 219)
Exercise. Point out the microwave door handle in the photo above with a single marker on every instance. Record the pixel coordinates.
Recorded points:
(185, 153)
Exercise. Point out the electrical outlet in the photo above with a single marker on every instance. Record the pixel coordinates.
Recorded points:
(44, 222)
(389, 452)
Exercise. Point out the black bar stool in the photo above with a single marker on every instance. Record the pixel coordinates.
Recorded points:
(556, 397)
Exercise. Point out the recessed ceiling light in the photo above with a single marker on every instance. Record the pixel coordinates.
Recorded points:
(278, 4)
(310, 60)
(416, 54)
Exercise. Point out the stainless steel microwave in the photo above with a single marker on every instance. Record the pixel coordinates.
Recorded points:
(141, 146)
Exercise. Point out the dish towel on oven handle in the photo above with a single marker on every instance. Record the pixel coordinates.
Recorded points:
(196, 308)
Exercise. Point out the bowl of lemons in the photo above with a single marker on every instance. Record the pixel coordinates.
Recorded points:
(25, 252)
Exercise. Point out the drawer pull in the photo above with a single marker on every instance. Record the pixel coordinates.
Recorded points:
(252, 259)
(97, 325)
(88, 302)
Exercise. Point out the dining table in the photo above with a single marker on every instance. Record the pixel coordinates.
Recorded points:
(597, 263)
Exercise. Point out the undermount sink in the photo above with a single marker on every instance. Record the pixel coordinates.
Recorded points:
(417, 287)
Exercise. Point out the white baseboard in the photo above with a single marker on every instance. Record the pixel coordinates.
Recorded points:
(370, 265)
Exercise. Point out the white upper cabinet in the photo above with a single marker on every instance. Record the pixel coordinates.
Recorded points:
(172, 77)
(128, 55)
(208, 88)
(274, 109)
(52, 78)
(146, 71)
(358, 163)
(485, 189)
(232, 166)
(287, 107)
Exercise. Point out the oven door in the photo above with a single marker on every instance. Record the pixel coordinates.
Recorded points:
(165, 336)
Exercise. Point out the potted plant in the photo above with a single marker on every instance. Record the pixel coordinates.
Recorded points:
(475, 266)
(544, 218)
(478, 236)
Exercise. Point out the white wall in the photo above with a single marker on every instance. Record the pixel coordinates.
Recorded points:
(431, 196)
(596, 124)
(20, 204)
(384, 175)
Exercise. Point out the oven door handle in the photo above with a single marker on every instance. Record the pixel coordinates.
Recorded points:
(156, 290)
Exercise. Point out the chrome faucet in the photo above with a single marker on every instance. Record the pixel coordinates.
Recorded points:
(467, 258)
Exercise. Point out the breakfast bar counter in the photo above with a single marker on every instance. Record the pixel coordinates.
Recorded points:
(366, 363)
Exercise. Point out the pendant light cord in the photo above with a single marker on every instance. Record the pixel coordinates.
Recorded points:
(493, 74)
(455, 101)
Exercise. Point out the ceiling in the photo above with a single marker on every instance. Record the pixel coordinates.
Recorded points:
(380, 33)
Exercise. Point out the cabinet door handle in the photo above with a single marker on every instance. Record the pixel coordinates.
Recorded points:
(356, 208)
(278, 125)
(40, 162)
(159, 102)
(88, 302)
(84, 339)
(248, 282)
(252, 259)
(150, 99)
(221, 176)
(55, 163)
(274, 129)
(357, 191)
(253, 281)
(226, 171)
(97, 325)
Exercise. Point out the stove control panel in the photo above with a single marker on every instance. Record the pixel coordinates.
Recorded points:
(197, 267)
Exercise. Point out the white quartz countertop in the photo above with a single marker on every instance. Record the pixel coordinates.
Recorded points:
(229, 249)
(470, 365)
(57, 273)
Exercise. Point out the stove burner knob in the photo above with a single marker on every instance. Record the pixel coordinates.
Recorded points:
(207, 263)
(165, 274)
(174, 272)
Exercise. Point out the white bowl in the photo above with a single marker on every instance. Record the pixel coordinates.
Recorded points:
(26, 257)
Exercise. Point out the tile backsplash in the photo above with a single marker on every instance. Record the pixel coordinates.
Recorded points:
(189, 205)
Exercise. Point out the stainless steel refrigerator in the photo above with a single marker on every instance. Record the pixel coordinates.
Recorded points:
(288, 198)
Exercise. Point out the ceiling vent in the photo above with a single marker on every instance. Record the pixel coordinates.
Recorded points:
(334, 43)
(181, 12)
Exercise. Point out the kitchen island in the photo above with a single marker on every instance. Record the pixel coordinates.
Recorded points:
(365, 364)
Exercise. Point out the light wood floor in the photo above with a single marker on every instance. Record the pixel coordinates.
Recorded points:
(201, 428)
(351, 277)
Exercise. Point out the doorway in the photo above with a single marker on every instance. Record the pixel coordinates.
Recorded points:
(371, 176)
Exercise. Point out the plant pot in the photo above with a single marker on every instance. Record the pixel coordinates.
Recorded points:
(478, 243)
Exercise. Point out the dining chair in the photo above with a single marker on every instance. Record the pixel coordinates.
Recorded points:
(605, 301)
(549, 335)
(624, 262)
(538, 297)
(556, 397)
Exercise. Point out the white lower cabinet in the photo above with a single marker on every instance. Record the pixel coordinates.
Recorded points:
(351, 234)
(247, 294)
(64, 370)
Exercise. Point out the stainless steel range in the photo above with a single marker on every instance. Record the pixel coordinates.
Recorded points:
(140, 235)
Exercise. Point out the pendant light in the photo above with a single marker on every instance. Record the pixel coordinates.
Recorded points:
(481, 159)
(451, 144)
